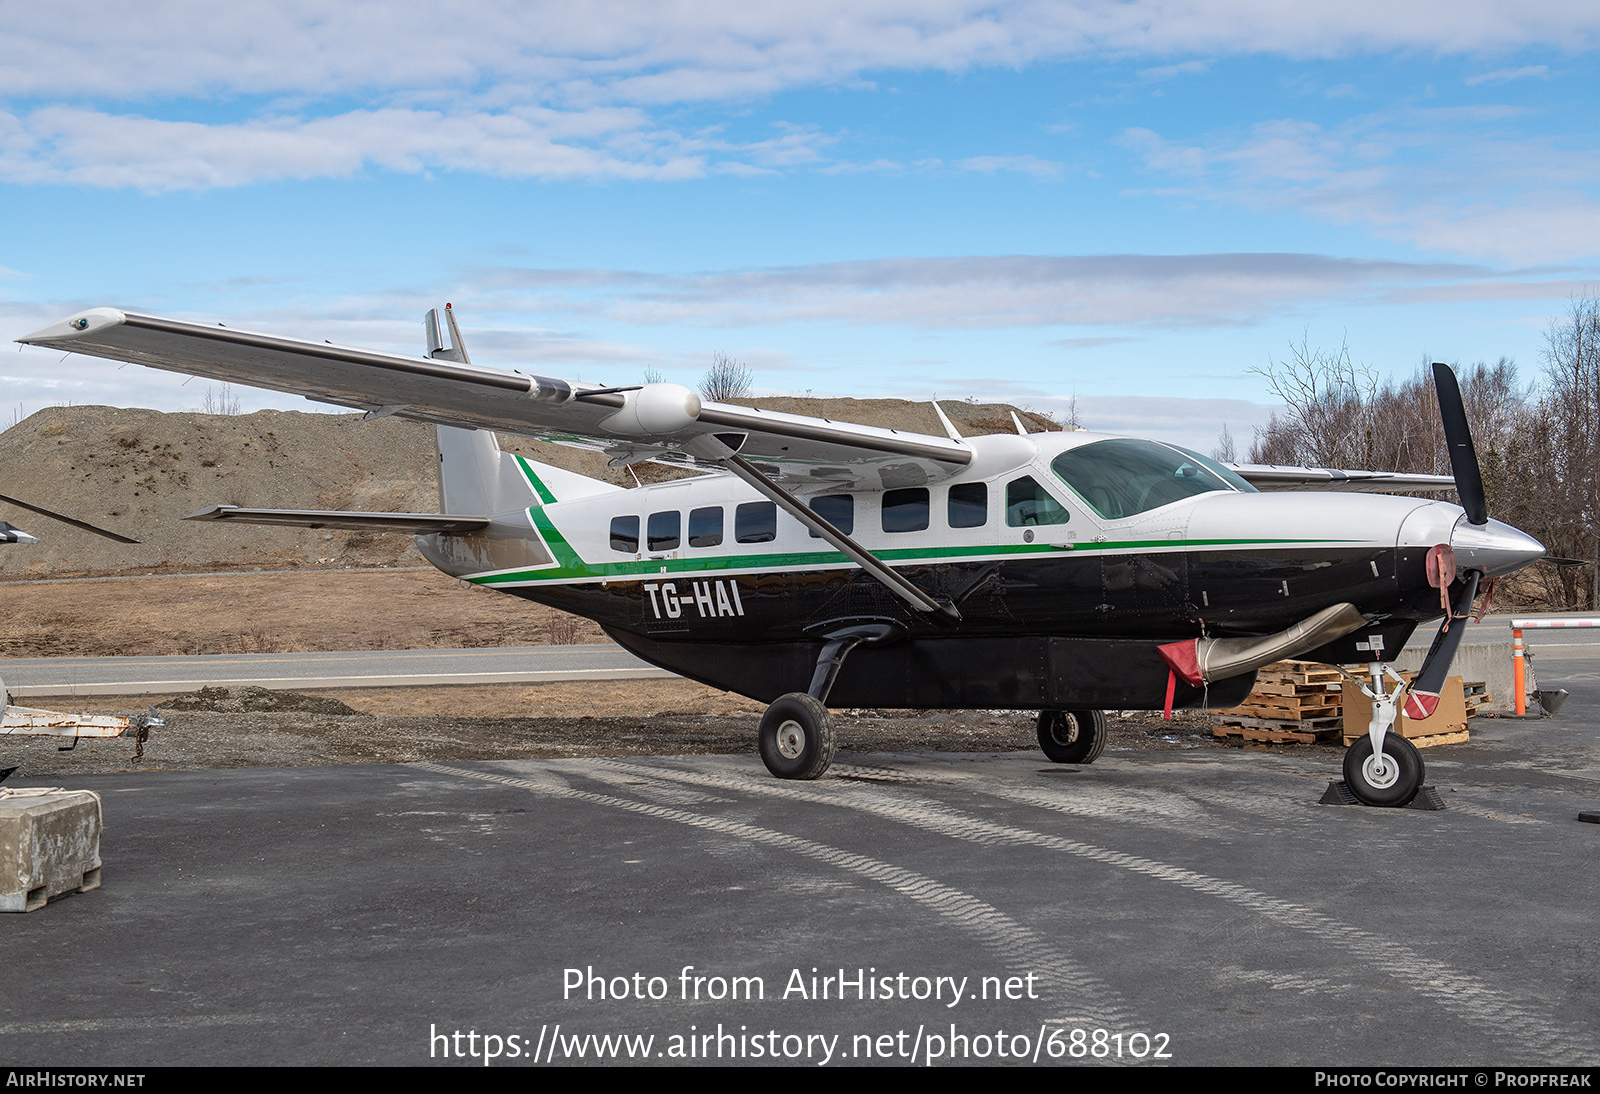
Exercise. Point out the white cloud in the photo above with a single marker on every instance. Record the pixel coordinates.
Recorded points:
(1193, 423)
(1153, 291)
(667, 51)
(1022, 165)
(188, 94)
(1173, 71)
(1464, 181)
(1506, 75)
(84, 147)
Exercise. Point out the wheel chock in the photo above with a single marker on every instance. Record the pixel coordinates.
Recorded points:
(1338, 793)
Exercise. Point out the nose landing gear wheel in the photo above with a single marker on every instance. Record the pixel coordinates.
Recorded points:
(1072, 736)
(797, 737)
(1392, 779)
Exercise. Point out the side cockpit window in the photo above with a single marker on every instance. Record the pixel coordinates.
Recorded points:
(1028, 504)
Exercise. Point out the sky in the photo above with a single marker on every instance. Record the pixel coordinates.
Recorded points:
(1129, 208)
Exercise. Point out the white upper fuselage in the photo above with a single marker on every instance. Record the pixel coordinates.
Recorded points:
(1008, 502)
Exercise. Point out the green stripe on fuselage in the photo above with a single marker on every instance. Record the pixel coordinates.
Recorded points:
(569, 567)
(545, 496)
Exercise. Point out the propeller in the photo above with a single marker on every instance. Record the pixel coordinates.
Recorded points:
(87, 527)
(1423, 698)
(1458, 440)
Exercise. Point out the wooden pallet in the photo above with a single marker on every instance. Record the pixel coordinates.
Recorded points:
(1302, 702)
(1293, 702)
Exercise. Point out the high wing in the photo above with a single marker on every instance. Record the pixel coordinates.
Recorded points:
(1273, 477)
(650, 421)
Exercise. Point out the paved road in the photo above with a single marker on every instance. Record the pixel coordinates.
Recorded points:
(381, 668)
(520, 664)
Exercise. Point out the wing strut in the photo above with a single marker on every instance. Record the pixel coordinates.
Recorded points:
(712, 447)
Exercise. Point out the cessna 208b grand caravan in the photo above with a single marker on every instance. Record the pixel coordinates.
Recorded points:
(825, 562)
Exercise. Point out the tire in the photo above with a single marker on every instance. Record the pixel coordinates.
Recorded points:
(1072, 736)
(1396, 788)
(797, 738)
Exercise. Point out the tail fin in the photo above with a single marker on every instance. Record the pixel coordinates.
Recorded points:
(475, 476)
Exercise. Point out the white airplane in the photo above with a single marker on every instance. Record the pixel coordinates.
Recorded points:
(1066, 572)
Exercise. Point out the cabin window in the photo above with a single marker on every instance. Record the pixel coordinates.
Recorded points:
(665, 530)
(905, 510)
(755, 522)
(838, 510)
(625, 535)
(969, 505)
(1125, 477)
(1029, 504)
(705, 527)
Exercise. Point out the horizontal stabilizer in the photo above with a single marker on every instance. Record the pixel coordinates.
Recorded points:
(412, 524)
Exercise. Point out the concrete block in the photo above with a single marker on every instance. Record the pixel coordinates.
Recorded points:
(49, 846)
(1486, 660)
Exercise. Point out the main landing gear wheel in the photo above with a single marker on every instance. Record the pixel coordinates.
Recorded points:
(1392, 779)
(797, 737)
(1072, 736)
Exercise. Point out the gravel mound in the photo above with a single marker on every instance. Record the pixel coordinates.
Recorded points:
(254, 700)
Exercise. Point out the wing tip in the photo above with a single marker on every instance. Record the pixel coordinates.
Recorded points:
(75, 326)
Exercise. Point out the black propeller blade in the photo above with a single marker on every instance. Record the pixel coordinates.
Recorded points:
(1423, 698)
(1424, 695)
(66, 520)
(1458, 438)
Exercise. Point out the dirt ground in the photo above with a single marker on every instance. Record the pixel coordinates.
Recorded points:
(284, 612)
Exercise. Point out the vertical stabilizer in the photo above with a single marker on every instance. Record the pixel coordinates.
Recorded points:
(476, 478)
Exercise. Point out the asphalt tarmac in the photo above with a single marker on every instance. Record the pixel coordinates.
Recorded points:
(1153, 908)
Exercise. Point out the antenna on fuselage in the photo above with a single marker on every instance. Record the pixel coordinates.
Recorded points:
(949, 427)
(1018, 423)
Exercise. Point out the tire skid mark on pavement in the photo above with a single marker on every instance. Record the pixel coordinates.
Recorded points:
(1523, 1026)
(1096, 1003)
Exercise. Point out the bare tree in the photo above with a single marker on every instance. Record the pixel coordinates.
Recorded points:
(1329, 401)
(725, 379)
(652, 375)
(220, 399)
(1570, 412)
(1224, 452)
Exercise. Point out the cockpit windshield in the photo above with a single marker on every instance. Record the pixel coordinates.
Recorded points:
(1124, 477)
